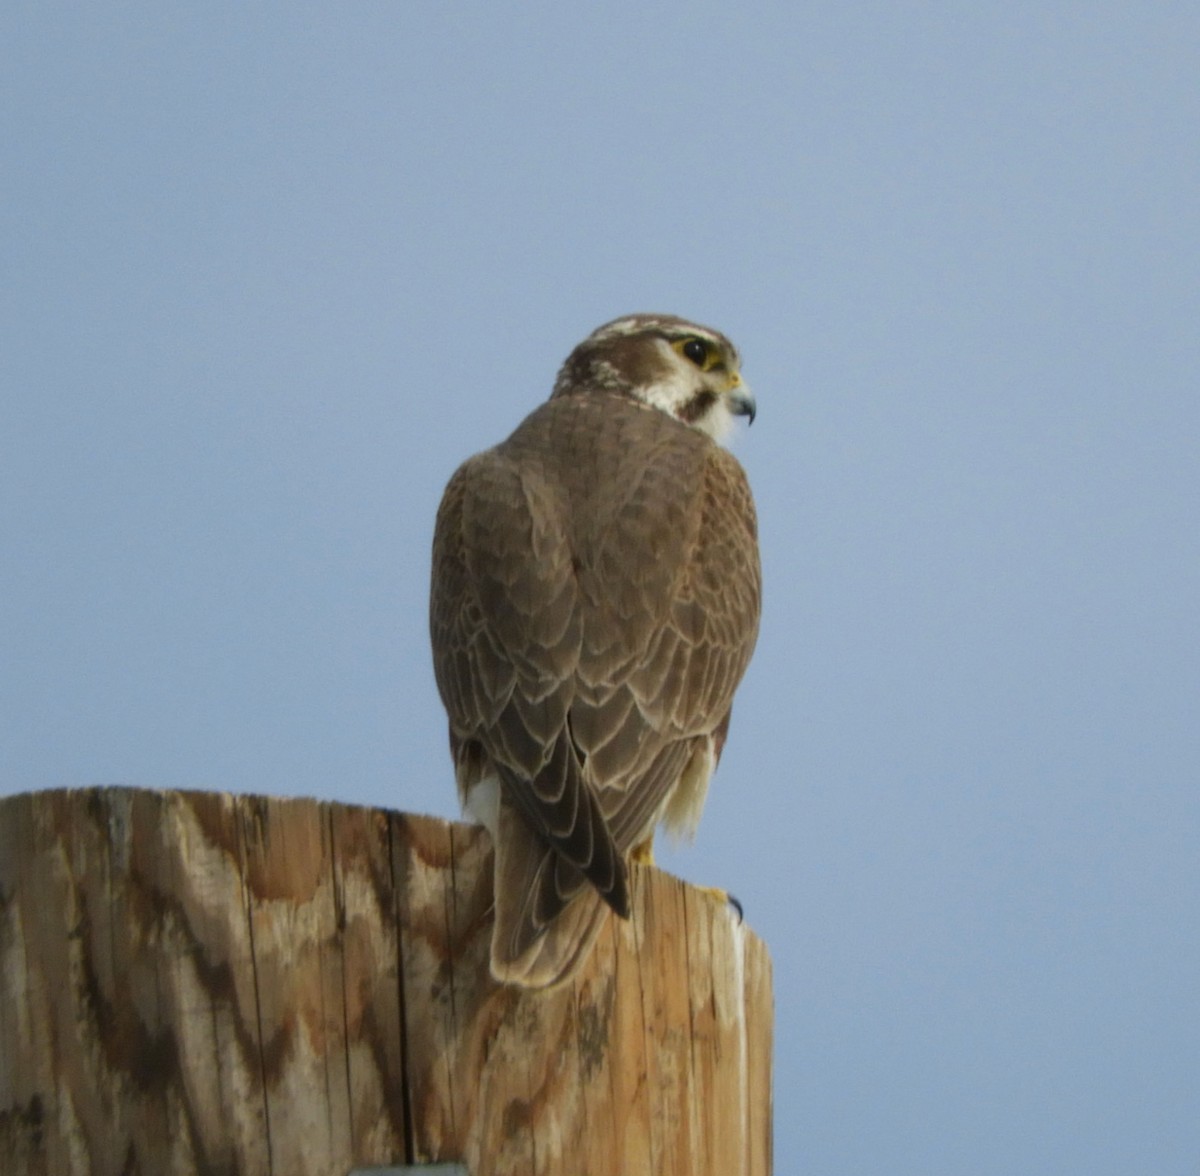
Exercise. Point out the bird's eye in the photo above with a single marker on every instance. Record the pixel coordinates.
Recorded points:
(697, 351)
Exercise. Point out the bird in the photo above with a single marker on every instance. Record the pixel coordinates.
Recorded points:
(595, 597)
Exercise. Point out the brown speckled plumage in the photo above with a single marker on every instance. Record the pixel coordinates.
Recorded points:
(595, 603)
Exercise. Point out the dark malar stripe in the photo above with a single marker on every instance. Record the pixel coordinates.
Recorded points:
(697, 407)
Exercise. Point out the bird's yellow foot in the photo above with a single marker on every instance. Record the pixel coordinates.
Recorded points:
(643, 855)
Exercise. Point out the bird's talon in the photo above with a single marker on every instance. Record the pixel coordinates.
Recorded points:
(724, 898)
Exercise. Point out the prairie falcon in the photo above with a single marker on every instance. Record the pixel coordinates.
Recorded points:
(595, 601)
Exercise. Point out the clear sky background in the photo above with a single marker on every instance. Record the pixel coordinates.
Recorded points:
(271, 272)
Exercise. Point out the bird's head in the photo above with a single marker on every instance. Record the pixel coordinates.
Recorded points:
(687, 371)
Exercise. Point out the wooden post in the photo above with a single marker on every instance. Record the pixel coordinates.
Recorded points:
(198, 982)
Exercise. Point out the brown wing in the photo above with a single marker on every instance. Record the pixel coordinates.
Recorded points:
(506, 625)
(661, 669)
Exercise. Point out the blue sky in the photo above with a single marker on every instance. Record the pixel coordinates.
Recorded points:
(272, 272)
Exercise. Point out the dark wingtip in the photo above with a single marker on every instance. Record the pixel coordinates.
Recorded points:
(617, 895)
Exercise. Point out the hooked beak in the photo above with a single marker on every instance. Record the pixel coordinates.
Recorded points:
(741, 399)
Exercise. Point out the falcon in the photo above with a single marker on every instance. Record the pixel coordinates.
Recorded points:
(595, 600)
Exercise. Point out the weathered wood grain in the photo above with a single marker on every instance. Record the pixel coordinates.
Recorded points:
(196, 982)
